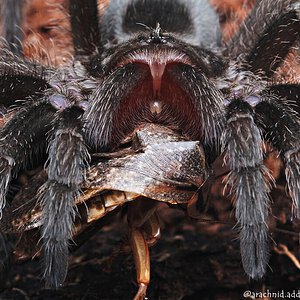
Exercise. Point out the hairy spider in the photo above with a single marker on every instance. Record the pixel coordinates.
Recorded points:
(153, 61)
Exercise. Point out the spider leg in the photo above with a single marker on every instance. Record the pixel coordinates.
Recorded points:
(85, 26)
(68, 160)
(6, 251)
(267, 35)
(282, 129)
(249, 179)
(20, 79)
(22, 138)
(11, 14)
(288, 91)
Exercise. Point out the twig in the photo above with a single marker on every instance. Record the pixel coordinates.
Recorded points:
(283, 250)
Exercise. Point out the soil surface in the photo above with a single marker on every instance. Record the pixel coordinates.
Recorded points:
(194, 259)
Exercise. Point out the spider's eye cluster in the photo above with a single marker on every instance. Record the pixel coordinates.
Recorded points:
(156, 36)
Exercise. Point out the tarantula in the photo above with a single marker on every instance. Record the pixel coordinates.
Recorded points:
(151, 61)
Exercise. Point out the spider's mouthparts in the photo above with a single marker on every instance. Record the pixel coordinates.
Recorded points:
(156, 107)
(157, 70)
(157, 93)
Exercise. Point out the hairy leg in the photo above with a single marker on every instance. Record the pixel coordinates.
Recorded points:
(68, 160)
(267, 35)
(242, 143)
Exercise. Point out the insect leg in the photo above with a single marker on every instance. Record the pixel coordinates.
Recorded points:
(152, 229)
(142, 214)
(141, 218)
(142, 261)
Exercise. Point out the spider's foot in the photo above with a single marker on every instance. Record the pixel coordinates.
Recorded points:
(6, 250)
(58, 217)
(254, 250)
(55, 263)
(252, 212)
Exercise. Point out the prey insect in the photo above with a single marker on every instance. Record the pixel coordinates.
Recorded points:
(172, 71)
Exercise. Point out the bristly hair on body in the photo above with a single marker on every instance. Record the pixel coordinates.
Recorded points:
(163, 62)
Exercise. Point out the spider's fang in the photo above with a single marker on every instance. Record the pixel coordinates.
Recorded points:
(157, 70)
